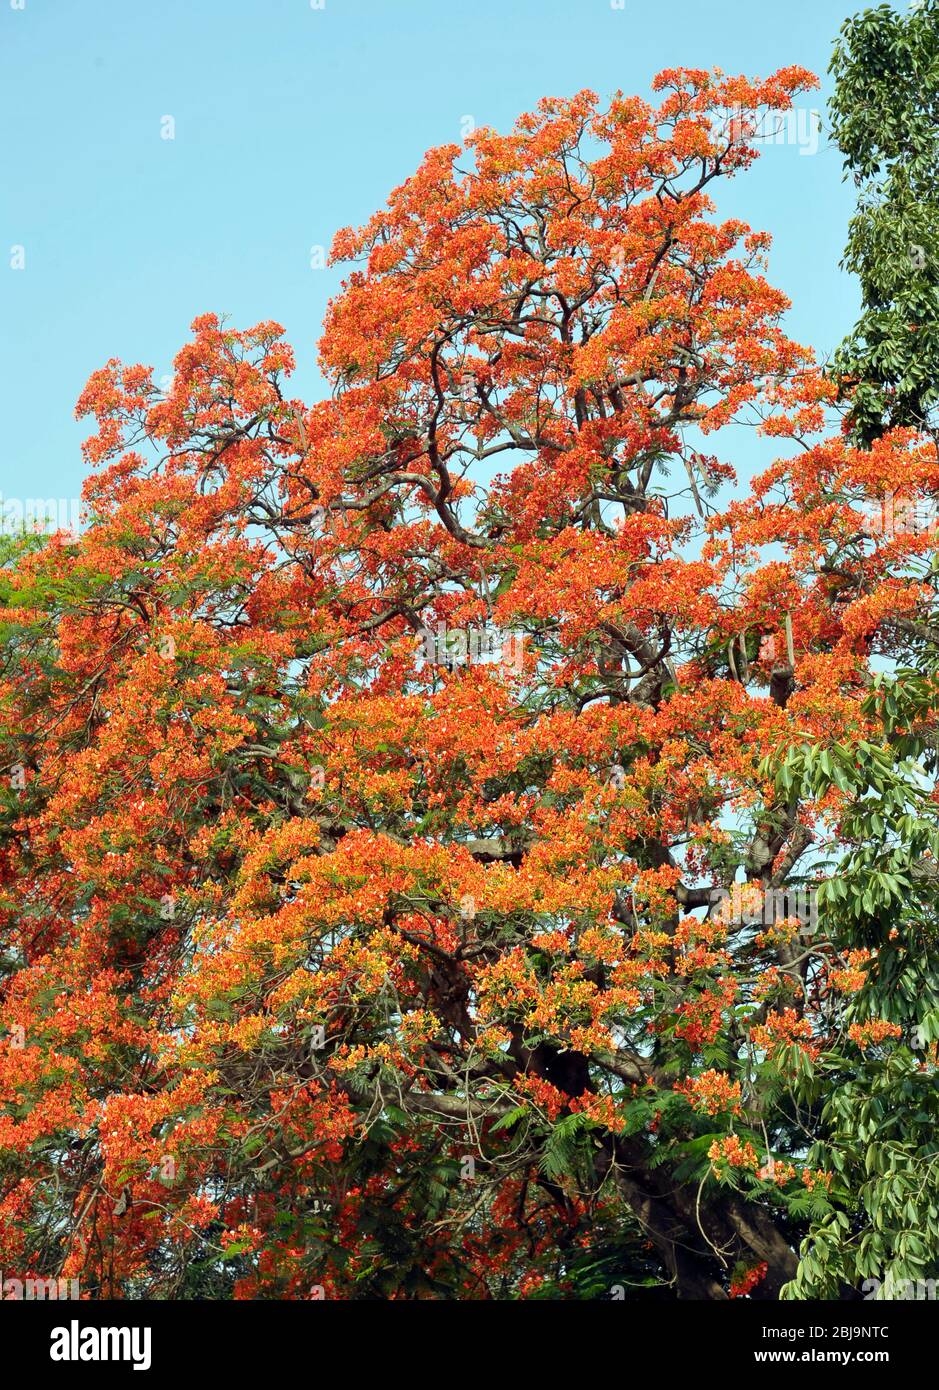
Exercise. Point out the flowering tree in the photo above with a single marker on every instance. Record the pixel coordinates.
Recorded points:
(413, 847)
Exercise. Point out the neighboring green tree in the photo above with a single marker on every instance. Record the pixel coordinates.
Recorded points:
(882, 1119)
(885, 119)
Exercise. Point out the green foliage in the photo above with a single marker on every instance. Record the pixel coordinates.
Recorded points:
(880, 1120)
(884, 119)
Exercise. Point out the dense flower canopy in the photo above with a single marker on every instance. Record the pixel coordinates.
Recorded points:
(398, 786)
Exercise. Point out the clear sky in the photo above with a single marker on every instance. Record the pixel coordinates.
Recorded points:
(292, 120)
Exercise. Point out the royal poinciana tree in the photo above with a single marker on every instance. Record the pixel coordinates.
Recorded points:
(378, 773)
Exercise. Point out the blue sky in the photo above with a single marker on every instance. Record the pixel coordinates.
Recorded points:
(292, 121)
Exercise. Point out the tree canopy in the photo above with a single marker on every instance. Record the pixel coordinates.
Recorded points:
(448, 849)
(885, 118)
